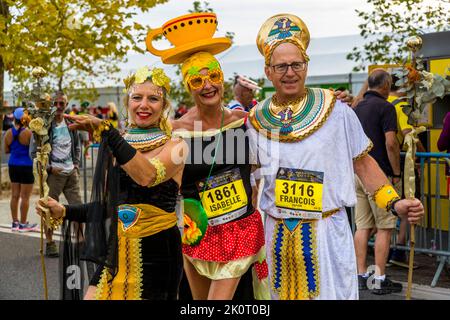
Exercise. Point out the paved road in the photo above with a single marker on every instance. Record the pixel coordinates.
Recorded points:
(21, 273)
(21, 276)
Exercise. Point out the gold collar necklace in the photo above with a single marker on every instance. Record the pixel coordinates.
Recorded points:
(284, 105)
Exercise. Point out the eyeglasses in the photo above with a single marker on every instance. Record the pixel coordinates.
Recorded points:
(283, 67)
(198, 81)
(59, 104)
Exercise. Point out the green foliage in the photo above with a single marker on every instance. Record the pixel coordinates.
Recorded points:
(421, 87)
(389, 23)
(74, 40)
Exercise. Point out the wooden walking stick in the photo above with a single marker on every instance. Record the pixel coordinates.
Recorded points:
(40, 116)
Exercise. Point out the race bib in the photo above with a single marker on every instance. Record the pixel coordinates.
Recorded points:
(299, 193)
(223, 196)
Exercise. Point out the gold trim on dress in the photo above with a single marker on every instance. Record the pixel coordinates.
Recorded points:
(233, 269)
(127, 284)
(365, 152)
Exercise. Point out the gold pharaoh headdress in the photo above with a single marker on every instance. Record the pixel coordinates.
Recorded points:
(282, 28)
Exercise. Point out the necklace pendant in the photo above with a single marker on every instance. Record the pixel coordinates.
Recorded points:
(286, 119)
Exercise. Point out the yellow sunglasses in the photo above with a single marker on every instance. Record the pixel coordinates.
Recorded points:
(198, 81)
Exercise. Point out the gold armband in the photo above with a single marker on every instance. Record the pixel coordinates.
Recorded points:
(384, 196)
(160, 171)
(105, 125)
(54, 223)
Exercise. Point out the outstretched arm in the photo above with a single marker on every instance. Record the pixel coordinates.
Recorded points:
(73, 212)
(145, 171)
(373, 178)
(151, 171)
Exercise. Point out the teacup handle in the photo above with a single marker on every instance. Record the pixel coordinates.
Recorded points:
(152, 34)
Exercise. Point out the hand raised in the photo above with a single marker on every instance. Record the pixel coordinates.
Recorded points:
(85, 122)
(344, 96)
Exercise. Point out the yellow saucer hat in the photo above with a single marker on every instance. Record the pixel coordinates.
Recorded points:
(188, 34)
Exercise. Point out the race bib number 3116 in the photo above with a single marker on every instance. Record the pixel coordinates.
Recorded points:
(298, 190)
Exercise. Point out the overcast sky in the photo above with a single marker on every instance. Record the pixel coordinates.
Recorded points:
(324, 18)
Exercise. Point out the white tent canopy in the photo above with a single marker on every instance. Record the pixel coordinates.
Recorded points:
(328, 64)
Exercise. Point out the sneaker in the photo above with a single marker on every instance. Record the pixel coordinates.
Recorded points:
(27, 227)
(50, 250)
(386, 287)
(398, 257)
(15, 226)
(362, 283)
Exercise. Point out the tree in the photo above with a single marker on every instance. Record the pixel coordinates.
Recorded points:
(179, 92)
(76, 41)
(389, 23)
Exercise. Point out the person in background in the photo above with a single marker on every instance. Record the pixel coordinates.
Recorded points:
(244, 91)
(181, 111)
(85, 137)
(112, 114)
(98, 112)
(443, 145)
(399, 101)
(8, 121)
(63, 165)
(20, 165)
(379, 121)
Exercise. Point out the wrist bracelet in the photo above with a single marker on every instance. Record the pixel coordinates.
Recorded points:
(385, 195)
(105, 125)
(54, 223)
(160, 171)
(391, 206)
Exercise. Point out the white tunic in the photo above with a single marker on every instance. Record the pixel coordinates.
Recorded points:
(331, 150)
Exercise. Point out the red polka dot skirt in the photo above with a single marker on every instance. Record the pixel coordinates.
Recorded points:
(230, 241)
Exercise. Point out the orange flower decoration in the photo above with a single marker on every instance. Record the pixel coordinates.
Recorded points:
(25, 120)
(191, 231)
(413, 75)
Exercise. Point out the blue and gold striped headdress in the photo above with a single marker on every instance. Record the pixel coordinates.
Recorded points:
(279, 29)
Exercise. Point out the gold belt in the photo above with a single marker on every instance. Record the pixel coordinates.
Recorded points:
(325, 215)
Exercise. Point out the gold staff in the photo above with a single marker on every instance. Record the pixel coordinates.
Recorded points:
(411, 139)
(41, 115)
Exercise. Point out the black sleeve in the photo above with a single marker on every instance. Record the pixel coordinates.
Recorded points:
(77, 212)
(122, 151)
(96, 277)
(389, 119)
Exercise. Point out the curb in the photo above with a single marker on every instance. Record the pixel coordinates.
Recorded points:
(424, 292)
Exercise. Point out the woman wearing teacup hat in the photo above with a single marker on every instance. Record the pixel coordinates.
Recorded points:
(223, 236)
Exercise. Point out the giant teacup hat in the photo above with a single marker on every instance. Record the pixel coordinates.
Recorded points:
(188, 34)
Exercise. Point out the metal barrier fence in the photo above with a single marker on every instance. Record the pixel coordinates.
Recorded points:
(88, 152)
(429, 234)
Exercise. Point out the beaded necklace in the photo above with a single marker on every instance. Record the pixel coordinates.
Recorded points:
(295, 120)
(146, 139)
